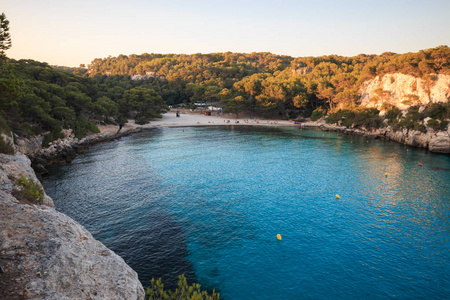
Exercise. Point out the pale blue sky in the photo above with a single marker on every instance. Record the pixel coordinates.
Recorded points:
(69, 33)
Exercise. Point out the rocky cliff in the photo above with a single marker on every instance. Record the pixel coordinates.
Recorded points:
(403, 91)
(45, 254)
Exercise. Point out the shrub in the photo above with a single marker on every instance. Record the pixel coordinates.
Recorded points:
(420, 127)
(368, 118)
(141, 120)
(81, 127)
(5, 147)
(333, 118)
(439, 111)
(393, 116)
(50, 137)
(436, 125)
(183, 291)
(4, 128)
(31, 190)
(318, 113)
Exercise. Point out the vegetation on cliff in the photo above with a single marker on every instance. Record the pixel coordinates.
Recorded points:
(434, 116)
(183, 291)
(265, 83)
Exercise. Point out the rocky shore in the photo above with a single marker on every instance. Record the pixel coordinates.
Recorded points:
(438, 142)
(64, 150)
(45, 254)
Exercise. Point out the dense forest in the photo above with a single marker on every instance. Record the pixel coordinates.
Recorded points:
(268, 84)
(36, 98)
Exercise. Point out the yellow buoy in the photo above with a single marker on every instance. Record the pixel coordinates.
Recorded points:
(279, 237)
(338, 197)
(386, 174)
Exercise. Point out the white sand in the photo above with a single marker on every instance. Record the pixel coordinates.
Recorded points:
(190, 119)
(196, 119)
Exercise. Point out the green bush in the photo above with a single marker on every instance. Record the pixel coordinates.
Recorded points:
(334, 118)
(436, 125)
(420, 127)
(5, 147)
(393, 115)
(368, 118)
(318, 113)
(31, 190)
(52, 136)
(141, 120)
(4, 128)
(184, 291)
(439, 111)
(81, 127)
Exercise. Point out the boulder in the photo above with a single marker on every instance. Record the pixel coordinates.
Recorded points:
(45, 254)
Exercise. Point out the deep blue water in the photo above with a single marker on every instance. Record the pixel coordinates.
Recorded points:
(209, 202)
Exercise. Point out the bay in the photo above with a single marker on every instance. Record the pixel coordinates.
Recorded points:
(209, 203)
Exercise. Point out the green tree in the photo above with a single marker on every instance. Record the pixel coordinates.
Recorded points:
(142, 104)
(5, 38)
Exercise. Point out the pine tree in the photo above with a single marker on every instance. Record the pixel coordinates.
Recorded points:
(5, 38)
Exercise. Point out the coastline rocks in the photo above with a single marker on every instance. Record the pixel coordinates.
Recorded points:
(65, 150)
(15, 166)
(438, 142)
(45, 254)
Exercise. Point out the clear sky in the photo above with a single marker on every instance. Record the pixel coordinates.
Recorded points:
(70, 33)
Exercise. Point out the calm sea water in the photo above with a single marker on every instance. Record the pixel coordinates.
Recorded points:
(209, 202)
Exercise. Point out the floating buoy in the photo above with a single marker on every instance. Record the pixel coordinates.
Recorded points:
(338, 197)
(279, 237)
(386, 174)
(420, 164)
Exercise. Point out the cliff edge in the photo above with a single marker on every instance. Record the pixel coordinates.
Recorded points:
(45, 254)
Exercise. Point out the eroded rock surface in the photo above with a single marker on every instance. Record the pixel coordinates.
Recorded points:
(45, 254)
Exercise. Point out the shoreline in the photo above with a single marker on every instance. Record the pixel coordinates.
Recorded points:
(64, 150)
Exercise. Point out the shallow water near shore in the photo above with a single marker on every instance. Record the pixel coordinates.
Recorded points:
(209, 203)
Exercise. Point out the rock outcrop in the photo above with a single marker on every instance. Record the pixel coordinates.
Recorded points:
(434, 141)
(45, 254)
(403, 91)
(65, 149)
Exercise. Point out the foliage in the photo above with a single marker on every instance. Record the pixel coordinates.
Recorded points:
(368, 118)
(51, 136)
(37, 98)
(318, 113)
(143, 103)
(184, 291)
(5, 147)
(439, 111)
(5, 37)
(31, 190)
(393, 115)
(411, 119)
(436, 125)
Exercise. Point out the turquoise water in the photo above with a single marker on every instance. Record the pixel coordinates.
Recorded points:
(209, 202)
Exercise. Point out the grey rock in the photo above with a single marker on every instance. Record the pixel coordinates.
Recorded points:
(45, 254)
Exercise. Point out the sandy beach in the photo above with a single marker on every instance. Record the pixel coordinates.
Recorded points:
(189, 119)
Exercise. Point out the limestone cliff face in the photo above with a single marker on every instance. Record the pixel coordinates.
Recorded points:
(404, 91)
(45, 254)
